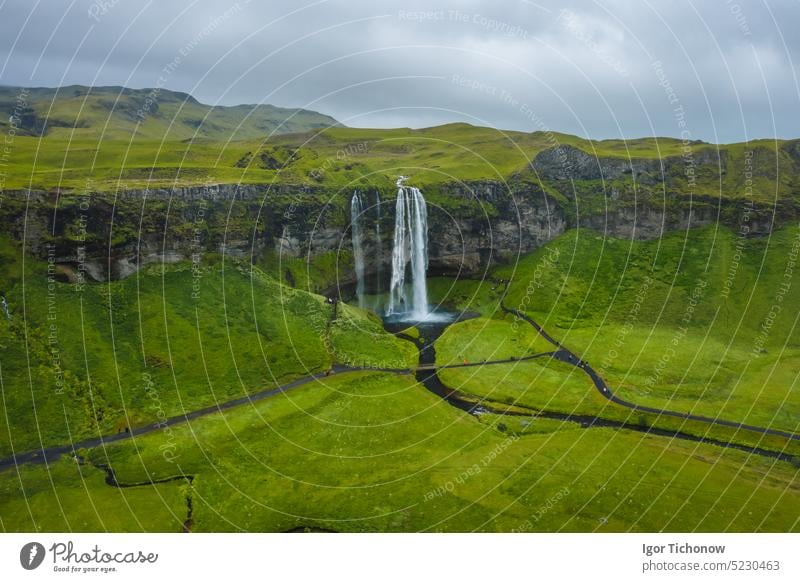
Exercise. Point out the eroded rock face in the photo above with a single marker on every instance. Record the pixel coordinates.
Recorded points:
(111, 238)
(484, 223)
(524, 219)
(566, 162)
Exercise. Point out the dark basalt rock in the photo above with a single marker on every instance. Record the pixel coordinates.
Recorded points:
(486, 222)
(566, 162)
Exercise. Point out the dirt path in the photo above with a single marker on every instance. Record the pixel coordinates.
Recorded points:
(564, 355)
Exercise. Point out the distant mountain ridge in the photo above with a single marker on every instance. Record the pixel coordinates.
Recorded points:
(155, 113)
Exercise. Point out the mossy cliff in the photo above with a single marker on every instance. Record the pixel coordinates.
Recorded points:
(303, 230)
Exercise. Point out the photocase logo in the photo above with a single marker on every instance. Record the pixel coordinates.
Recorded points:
(31, 555)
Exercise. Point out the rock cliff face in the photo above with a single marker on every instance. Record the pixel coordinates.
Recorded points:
(471, 225)
(112, 238)
(642, 198)
(511, 221)
(566, 162)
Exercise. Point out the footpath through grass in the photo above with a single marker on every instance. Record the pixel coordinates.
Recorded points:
(376, 452)
(82, 360)
(702, 322)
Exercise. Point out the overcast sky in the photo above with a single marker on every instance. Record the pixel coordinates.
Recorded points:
(715, 70)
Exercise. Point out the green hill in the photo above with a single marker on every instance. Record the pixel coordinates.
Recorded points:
(117, 113)
(577, 172)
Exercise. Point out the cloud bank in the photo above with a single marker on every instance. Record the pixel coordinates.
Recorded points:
(719, 71)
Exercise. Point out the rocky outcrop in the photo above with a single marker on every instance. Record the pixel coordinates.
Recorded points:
(111, 237)
(566, 162)
(472, 225)
(521, 219)
(643, 198)
(647, 222)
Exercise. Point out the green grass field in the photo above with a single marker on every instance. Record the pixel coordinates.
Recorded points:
(657, 319)
(682, 323)
(702, 321)
(481, 339)
(335, 158)
(376, 452)
(369, 451)
(78, 361)
(66, 497)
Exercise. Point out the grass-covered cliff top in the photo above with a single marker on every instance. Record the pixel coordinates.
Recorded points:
(99, 144)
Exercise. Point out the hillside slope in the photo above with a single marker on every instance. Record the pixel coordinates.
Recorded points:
(79, 360)
(118, 112)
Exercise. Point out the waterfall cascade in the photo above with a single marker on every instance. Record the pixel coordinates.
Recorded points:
(408, 292)
(410, 245)
(378, 240)
(356, 219)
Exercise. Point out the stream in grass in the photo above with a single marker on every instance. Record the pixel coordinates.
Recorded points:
(431, 329)
(436, 322)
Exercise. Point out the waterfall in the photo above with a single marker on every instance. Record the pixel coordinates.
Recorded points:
(410, 245)
(356, 218)
(379, 241)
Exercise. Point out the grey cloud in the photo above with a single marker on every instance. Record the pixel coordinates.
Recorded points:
(581, 66)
